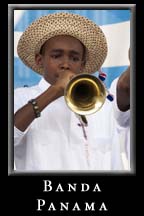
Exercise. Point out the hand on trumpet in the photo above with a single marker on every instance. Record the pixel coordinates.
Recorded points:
(62, 79)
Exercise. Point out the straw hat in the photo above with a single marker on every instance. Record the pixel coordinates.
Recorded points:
(55, 24)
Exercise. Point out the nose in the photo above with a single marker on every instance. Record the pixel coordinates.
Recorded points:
(64, 67)
(65, 64)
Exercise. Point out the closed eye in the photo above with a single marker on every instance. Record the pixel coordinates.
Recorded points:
(55, 56)
(75, 58)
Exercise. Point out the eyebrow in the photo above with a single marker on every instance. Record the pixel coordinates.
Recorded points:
(61, 50)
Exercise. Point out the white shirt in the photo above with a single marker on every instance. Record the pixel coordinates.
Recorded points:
(54, 141)
(123, 122)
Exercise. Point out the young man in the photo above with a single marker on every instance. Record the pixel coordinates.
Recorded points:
(47, 134)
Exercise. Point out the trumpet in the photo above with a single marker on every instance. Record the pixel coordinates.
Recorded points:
(85, 94)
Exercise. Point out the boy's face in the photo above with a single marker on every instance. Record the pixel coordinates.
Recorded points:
(61, 53)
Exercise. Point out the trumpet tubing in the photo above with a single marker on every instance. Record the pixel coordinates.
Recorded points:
(85, 94)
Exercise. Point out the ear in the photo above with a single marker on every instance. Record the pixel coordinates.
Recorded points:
(38, 60)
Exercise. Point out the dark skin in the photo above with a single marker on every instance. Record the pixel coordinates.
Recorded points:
(123, 90)
(62, 57)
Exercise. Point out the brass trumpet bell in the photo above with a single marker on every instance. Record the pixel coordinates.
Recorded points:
(85, 94)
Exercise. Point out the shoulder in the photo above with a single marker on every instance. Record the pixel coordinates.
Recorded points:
(25, 90)
(23, 94)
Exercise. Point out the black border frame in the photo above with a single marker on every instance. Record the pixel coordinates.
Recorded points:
(12, 7)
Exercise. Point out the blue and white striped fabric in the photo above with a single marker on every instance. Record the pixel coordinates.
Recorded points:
(114, 23)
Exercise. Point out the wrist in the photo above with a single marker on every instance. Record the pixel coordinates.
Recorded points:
(59, 89)
(35, 106)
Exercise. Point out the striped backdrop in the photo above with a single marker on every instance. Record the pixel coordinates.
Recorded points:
(114, 23)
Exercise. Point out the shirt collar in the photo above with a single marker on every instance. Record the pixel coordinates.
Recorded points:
(43, 84)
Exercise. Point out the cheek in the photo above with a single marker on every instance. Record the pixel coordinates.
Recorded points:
(48, 66)
(50, 71)
(79, 69)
